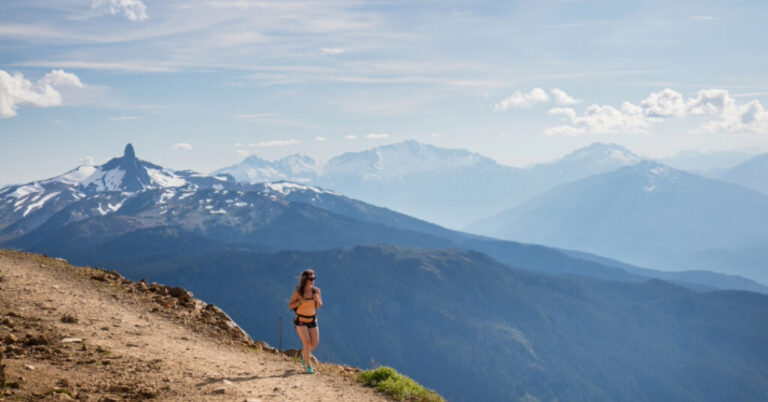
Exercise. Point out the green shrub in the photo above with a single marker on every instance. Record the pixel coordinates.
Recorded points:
(396, 385)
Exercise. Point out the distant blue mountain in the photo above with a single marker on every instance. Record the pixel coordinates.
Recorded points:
(708, 164)
(647, 214)
(751, 174)
(451, 187)
(297, 168)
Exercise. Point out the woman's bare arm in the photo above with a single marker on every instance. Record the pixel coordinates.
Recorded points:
(318, 298)
(295, 302)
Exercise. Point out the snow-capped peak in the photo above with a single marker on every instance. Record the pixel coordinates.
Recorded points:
(403, 158)
(253, 169)
(603, 153)
(126, 174)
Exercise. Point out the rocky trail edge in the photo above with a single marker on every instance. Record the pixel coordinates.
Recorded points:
(88, 334)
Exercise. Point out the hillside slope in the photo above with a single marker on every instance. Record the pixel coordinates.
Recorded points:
(91, 334)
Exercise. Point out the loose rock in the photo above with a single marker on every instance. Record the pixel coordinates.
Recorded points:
(68, 319)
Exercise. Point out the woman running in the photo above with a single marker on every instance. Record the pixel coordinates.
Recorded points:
(305, 301)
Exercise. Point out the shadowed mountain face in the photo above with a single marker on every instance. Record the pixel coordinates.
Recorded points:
(474, 329)
(646, 214)
(104, 188)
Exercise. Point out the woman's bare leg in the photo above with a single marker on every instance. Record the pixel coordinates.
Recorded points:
(306, 341)
(314, 338)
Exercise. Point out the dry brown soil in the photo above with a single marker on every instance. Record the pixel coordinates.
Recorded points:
(83, 333)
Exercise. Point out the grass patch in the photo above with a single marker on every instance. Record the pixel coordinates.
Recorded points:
(250, 348)
(396, 385)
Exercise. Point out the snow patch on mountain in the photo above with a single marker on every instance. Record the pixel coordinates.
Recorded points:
(38, 204)
(164, 178)
(26, 190)
(77, 176)
(285, 188)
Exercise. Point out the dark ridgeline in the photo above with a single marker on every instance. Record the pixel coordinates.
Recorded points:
(474, 329)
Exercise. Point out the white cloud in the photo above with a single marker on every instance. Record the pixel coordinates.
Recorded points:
(16, 90)
(351, 137)
(332, 50)
(242, 152)
(276, 143)
(182, 146)
(562, 98)
(523, 99)
(60, 78)
(134, 10)
(88, 160)
(711, 101)
(374, 136)
(750, 117)
(237, 144)
(668, 103)
(601, 120)
(665, 103)
(321, 139)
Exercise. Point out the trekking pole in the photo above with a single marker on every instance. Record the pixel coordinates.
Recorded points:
(280, 324)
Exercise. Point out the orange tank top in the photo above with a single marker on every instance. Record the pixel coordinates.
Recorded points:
(307, 307)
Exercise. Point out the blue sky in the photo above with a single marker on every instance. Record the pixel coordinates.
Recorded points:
(199, 84)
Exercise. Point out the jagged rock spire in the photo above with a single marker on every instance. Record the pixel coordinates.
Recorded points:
(129, 153)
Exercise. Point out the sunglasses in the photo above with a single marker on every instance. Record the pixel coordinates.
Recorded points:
(311, 278)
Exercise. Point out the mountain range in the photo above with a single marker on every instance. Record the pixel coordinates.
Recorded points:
(646, 214)
(263, 216)
(465, 314)
(451, 187)
(708, 164)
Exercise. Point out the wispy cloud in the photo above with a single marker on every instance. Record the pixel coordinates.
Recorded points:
(134, 10)
(242, 152)
(276, 143)
(15, 91)
(131, 66)
(332, 50)
(253, 116)
(350, 137)
(321, 139)
(535, 96)
(374, 136)
(563, 98)
(181, 146)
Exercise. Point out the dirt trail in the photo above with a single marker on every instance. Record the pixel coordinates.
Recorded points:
(77, 333)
